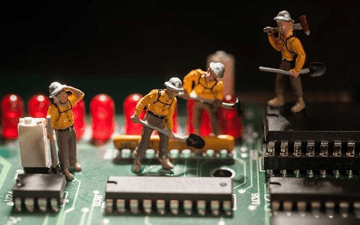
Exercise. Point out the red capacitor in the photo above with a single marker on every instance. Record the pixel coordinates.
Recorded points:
(79, 119)
(129, 110)
(38, 106)
(175, 122)
(12, 108)
(229, 120)
(102, 111)
(205, 127)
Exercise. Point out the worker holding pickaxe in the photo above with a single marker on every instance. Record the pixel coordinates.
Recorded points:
(293, 59)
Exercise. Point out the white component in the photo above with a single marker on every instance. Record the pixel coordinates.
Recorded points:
(34, 148)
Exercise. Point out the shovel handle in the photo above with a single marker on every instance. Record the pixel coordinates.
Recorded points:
(280, 71)
(163, 131)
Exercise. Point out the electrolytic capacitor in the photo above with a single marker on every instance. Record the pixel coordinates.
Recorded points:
(229, 120)
(205, 127)
(102, 111)
(38, 106)
(79, 119)
(12, 108)
(129, 110)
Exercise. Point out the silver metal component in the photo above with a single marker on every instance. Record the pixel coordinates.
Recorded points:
(310, 148)
(301, 206)
(109, 206)
(324, 147)
(287, 205)
(54, 204)
(275, 206)
(344, 209)
(134, 206)
(284, 148)
(227, 207)
(336, 173)
(120, 205)
(174, 207)
(349, 173)
(187, 207)
(322, 173)
(42, 203)
(315, 208)
(356, 206)
(337, 148)
(215, 207)
(283, 172)
(297, 172)
(160, 206)
(201, 207)
(147, 204)
(297, 148)
(271, 148)
(18, 203)
(310, 173)
(330, 209)
(350, 149)
(29, 204)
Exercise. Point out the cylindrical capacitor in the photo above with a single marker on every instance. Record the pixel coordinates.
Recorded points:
(38, 106)
(129, 110)
(205, 127)
(12, 108)
(102, 111)
(79, 119)
(229, 120)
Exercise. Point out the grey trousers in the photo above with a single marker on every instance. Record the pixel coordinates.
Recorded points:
(213, 113)
(67, 148)
(280, 80)
(145, 138)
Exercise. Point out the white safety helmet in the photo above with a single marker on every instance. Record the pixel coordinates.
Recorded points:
(218, 69)
(284, 16)
(174, 84)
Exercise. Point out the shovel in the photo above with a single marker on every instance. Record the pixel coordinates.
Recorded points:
(193, 140)
(316, 69)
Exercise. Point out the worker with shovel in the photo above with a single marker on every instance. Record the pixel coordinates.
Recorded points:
(293, 59)
(160, 106)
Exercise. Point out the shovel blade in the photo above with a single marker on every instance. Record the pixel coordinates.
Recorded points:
(195, 141)
(317, 69)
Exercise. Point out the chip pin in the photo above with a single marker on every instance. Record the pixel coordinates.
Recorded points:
(310, 148)
(330, 209)
(350, 149)
(227, 208)
(215, 207)
(297, 148)
(287, 206)
(322, 173)
(109, 205)
(275, 205)
(54, 204)
(284, 148)
(315, 208)
(301, 206)
(160, 206)
(174, 207)
(120, 205)
(324, 145)
(271, 148)
(29, 204)
(18, 203)
(147, 204)
(201, 207)
(134, 206)
(356, 206)
(42, 203)
(187, 207)
(344, 209)
(337, 148)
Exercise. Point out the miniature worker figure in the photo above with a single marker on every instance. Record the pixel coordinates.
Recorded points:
(160, 106)
(62, 122)
(206, 86)
(293, 59)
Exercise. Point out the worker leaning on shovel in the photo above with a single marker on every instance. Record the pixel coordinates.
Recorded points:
(160, 106)
(293, 59)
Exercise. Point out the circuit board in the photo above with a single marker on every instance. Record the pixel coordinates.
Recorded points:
(84, 197)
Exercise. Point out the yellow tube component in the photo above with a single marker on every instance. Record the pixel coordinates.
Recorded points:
(211, 142)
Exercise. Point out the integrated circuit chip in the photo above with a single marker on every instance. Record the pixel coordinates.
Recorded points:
(163, 194)
(324, 137)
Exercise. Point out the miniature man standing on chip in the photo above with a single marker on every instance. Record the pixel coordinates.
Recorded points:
(293, 59)
(63, 99)
(204, 87)
(160, 106)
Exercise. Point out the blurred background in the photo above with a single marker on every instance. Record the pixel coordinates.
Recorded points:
(123, 47)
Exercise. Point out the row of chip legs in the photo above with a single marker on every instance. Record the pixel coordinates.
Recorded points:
(135, 206)
(41, 203)
(316, 208)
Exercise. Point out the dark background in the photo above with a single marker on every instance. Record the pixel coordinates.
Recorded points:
(121, 47)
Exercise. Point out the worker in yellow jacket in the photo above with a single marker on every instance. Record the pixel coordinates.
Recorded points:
(208, 86)
(160, 106)
(293, 59)
(62, 121)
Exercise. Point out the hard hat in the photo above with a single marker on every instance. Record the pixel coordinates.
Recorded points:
(174, 84)
(55, 88)
(218, 69)
(283, 16)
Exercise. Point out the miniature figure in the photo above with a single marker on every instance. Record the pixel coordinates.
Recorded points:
(160, 106)
(63, 99)
(293, 59)
(207, 89)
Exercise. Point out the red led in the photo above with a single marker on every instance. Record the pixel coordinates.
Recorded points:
(102, 111)
(229, 120)
(129, 110)
(79, 119)
(205, 127)
(38, 106)
(12, 108)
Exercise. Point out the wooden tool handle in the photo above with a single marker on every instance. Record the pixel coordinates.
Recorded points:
(304, 24)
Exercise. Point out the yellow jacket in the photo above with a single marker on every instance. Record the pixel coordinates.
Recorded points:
(160, 105)
(196, 81)
(292, 49)
(62, 117)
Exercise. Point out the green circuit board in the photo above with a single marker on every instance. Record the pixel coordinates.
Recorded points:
(84, 197)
